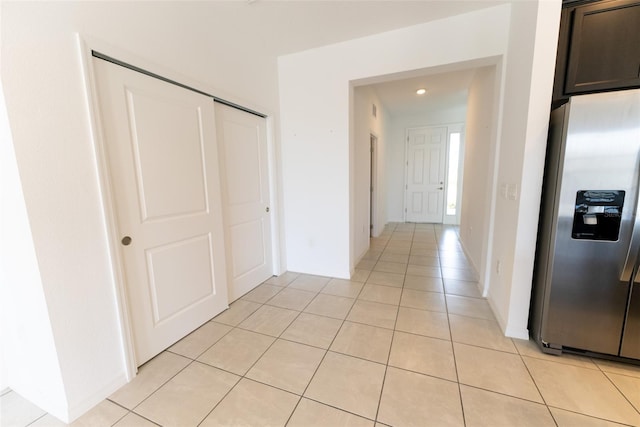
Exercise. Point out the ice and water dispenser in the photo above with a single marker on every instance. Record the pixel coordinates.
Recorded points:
(597, 215)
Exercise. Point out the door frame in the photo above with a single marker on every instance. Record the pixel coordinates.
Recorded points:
(451, 128)
(373, 183)
(85, 46)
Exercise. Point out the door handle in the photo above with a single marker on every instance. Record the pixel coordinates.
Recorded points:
(267, 209)
(440, 188)
(126, 240)
(634, 245)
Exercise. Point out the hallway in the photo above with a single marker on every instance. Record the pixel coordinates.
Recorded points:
(408, 341)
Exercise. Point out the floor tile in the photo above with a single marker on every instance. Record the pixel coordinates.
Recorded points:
(330, 306)
(293, 299)
(343, 288)
(571, 419)
(424, 244)
(287, 365)
(252, 404)
(366, 264)
(380, 293)
(484, 408)
(479, 332)
(198, 341)
(269, 320)
(364, 341)
(314, 414)
(284, 279)
(458, 274)
(374, 314)
(105, 413)
(472, 307)
(47, 420)
(391, 257)
(462, 287)
(431, 301)
(150, 377)
(424, 283)
(531, 349)
(262, 293)
(310, 283)
(237, 312)
(411, 399)
(421, 322)
(18, 411)
(134, 420)
(398, 243)
(494, 370)
(405, 250)
(348, 383)
(387, 279)
(360, 275)
(425, 355)
(188, 397)
(459, 261)
(318, 331)
(582, 390)
(424, 261)
(390, 267)
(431, 252)
(618, 368)
(372, 254)
(629, 386)
(419, 270)
(237, 351)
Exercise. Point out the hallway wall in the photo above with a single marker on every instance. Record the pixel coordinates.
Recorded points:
(479, 154)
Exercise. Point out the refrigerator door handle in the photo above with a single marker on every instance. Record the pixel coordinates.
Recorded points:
(632, 255)
(631, 260)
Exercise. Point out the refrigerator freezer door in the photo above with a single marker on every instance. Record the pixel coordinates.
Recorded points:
(597, 194)
(631, 338)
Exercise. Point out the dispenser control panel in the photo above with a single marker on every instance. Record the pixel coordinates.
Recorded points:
(598, 214)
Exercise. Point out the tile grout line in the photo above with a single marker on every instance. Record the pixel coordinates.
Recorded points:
(393, 334)
(453, 352)
(302, 395)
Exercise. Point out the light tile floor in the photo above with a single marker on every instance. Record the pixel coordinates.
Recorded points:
(407, 342)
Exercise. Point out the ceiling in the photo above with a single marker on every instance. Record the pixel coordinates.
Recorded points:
(444, 90)
(292, 26)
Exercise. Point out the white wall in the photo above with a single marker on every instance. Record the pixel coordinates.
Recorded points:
(45, 99)
(397, 147)
(314, 102)
(365, 124)
(521, 37)
(29, 365)
(475, 207)
(528, 83)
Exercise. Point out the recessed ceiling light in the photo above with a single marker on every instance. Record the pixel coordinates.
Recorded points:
(421, 91)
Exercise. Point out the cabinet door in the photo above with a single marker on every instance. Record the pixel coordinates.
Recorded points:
(605, 47)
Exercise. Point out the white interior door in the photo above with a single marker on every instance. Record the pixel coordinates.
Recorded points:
(163, 165)
(242, 139)
(426, 155)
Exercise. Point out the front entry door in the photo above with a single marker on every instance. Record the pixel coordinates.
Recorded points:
(163, 166)
(242, 139)
(426, 152)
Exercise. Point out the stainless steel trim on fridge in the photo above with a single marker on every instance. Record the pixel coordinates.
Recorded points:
(587, 278)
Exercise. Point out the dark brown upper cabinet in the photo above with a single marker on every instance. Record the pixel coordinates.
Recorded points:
(598, 47)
